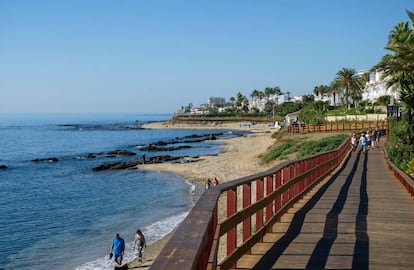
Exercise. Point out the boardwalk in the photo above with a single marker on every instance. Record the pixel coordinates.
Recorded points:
(361, 218)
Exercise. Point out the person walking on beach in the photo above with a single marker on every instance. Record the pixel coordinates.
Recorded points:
(117, 249)
(140, 242)
(215, 182)
(207, 184)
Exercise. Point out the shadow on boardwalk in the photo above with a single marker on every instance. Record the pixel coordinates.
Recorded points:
(361, 218)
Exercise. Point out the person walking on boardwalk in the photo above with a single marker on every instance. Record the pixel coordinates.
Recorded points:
(368, 140)
(117, 249)
(354, 142)
(363, 143)
(140, 243)
(377, 137)
(373, 140)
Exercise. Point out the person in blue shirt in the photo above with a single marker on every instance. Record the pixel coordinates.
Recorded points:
(117, 249)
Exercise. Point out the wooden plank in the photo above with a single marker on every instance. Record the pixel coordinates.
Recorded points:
(374, 218)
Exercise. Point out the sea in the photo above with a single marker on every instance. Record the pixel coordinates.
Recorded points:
(64, 215)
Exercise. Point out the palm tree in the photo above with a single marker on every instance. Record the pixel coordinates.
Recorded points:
(254, 94)
(239, 100)
(232, 100)
(351, 84)
(269, 91)
(398, 67)
(245, 104)
(317, 91)
(277, 92)
(334, 90)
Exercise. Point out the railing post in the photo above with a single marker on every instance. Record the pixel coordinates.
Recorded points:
(285, 179)
(292, 171)
(247, 201)
(278, 183)
(231, 210)
(300, 172)
(269, 190)
(259, 196)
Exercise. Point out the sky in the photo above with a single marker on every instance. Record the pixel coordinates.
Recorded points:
(125, 56)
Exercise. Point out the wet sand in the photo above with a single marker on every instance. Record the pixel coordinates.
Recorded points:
(239, 157)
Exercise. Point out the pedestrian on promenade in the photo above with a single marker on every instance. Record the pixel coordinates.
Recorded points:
(373, 139)
(117, 249)
(140, 243)
(363, 143)
(368, 138)
(354, 142)
(377, 137)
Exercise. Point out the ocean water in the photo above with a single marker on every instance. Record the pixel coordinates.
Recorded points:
(64, 215)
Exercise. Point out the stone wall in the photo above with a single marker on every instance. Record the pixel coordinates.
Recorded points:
(365, 117)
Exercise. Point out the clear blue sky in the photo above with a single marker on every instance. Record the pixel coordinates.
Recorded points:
(154, 56)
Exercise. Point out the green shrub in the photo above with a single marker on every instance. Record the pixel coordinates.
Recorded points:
(410, 168)
(400, 146)
(305, 148)
(278, 151)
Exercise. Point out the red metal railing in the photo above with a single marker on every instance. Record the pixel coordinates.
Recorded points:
(251, 206)
(405, 180)
(358, 126)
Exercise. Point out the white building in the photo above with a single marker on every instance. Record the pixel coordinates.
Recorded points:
(260, 103)
(376, 87)
(216, 101)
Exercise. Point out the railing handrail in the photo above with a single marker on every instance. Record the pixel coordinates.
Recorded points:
(405, 180)
(195, 243)
(338, 126)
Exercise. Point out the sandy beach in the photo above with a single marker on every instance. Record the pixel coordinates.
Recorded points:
(239, 157)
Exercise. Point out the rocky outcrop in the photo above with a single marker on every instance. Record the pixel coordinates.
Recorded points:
(124, 165)
(115, 153)
(117, 166)
(119, 152)
(51, 159)
(152, 147)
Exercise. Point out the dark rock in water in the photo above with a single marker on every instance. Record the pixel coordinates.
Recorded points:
(120, 152)
(51, 159)
(117, 166)
(161, 159)
(3, 167)
(116, 153)
(123, 165)
(212, 137)
(152, 147)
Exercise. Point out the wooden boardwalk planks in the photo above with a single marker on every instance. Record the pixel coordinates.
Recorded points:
(361, 218)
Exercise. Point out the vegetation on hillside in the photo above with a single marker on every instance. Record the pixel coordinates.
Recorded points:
(304, 148)
(398, 68)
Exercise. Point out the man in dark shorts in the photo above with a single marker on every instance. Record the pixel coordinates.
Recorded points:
(117, 249)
